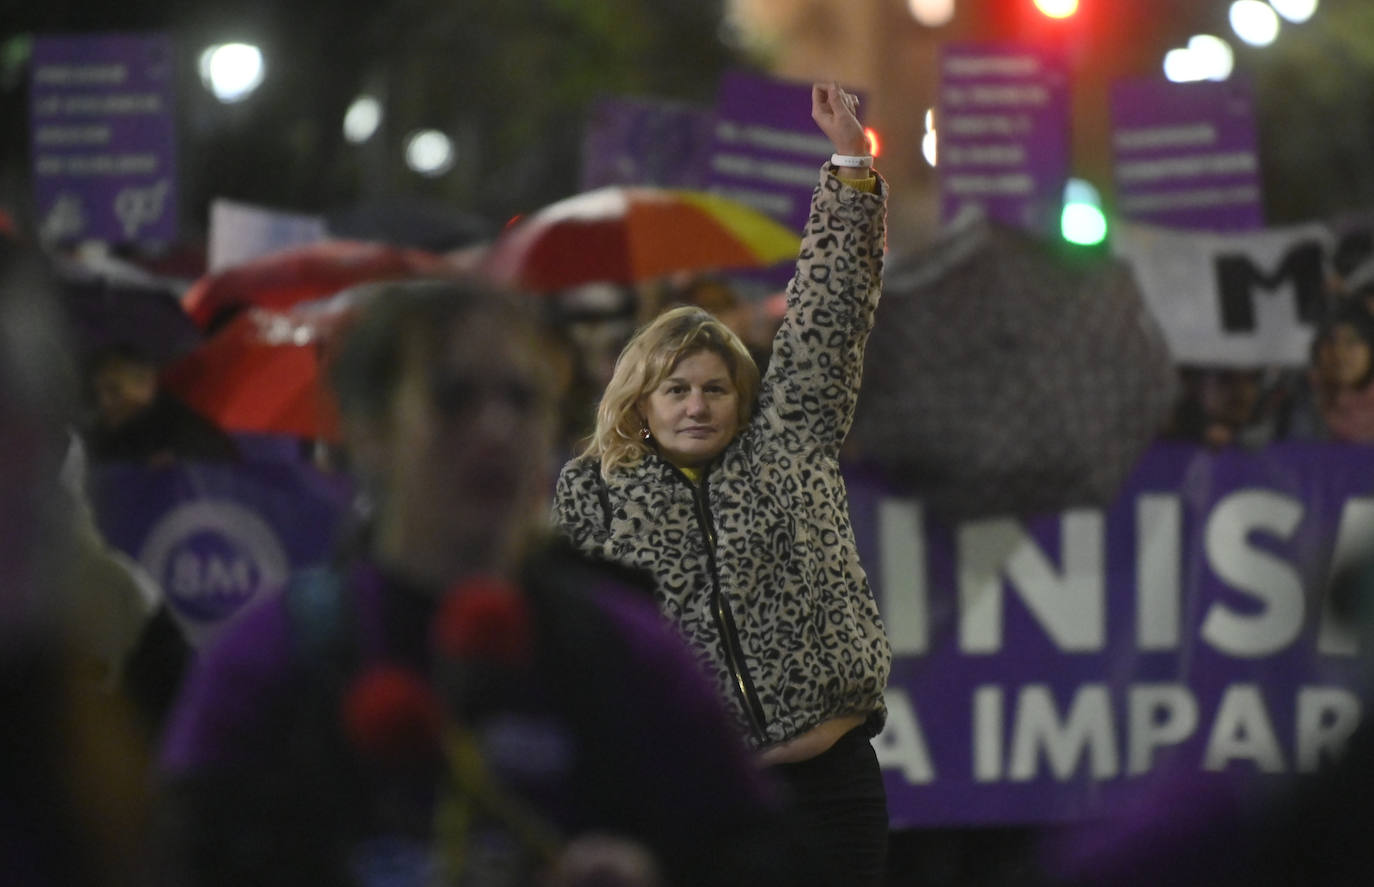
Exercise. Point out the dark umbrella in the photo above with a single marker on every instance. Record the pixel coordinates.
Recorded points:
(107, 309)
(409, 222)
(1008, 375)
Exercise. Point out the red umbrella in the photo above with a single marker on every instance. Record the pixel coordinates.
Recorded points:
(263, 372)
(306, 273)
(626, 234)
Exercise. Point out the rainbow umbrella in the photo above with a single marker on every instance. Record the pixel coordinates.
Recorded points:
(627, 234)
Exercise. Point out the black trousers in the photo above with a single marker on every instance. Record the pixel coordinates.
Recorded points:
(841, 807)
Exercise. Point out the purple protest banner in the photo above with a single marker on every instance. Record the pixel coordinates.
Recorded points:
(102, 137)
(647, 142)
(1186, 154)
(1050, 669)
(1003, 124)
(218, 538)
(767, 151)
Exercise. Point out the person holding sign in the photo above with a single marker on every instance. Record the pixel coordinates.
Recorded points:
(726, 488)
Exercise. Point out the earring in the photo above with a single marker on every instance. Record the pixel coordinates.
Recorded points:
(644, 434)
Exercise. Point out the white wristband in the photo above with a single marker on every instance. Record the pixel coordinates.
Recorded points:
(852, 161)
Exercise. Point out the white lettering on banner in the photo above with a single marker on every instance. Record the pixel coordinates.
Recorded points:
(901, 745)
(1197, 198)
(1159, 527)
(96, 164)
(1257, 573)
(992, 65)
(978, 125)
(102, 105)
(774, 139)
(1192, 135)
(987, 732)
(65, 136)
(748, 167)
(986, 155)
(1012, 96)
(1242, 731)
(1193, 166)
(81, 75)
(1159, 715)
(902, 537)
(1069, 604)
(1087, 730)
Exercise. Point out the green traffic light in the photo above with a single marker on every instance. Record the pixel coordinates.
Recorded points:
(1083, 224)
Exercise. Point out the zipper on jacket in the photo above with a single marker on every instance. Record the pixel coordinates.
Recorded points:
(725, 623)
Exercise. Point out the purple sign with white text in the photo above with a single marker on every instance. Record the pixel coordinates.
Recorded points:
(1186, 154)
(218, 538)
(1048, 669)
(102, 135)
(1003, 124)
(768, 151)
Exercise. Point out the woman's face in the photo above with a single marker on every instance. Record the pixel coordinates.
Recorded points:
(693, 414)
(464, 454)
(1344, 358)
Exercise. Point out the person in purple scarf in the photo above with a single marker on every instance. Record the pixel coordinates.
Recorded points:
(457, 700)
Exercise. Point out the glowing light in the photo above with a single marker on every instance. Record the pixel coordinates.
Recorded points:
(1057, 8)
(1214, 56)
(1254, 22)
(1206, 58)
(1296, 11)
(875, 146)
(429, 152)
(362, 119)
(931, 13)
(231, 71)
(931, 142)
(930, 147)
(1082, 221)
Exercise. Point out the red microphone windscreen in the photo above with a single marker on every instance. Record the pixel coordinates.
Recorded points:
(484, 619)
(391, 714)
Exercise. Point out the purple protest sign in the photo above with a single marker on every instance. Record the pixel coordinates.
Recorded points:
(1050, 669)
(1186, 154)
(1003, 124)
(219, 538)
(102, 136)
(767, 151)
(647, 142)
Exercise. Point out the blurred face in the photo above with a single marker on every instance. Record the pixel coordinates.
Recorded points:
(1231, 396)
(463, 458)
(693, 414)
(123, 389)
(1344, 358)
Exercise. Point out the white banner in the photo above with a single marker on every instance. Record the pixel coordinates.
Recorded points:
(241, 231)
(1238, 300)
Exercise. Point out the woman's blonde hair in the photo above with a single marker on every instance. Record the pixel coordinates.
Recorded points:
(646, 360)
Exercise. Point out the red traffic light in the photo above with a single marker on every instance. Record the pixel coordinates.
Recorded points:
(1057, 8)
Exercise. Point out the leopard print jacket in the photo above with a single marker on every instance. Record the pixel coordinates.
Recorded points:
(758, 566)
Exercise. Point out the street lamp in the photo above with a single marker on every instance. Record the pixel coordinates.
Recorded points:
(231, 71)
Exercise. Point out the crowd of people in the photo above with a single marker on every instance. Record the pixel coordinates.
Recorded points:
(468, 692)
(1330, 399)
(664, 667)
